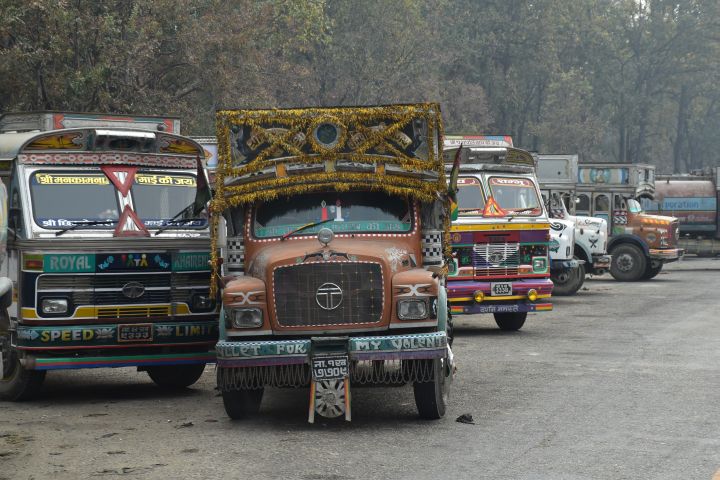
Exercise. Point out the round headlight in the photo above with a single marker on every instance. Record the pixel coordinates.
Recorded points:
(479, 296)
(325, 236)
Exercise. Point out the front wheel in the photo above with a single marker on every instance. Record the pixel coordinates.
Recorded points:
(241, 404)
(176, 376)
(431, 397)
(510, 321)
(568, 281)
(16, 383)
(628, 263)
(652, 272)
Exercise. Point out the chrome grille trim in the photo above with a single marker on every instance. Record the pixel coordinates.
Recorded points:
(491, 259)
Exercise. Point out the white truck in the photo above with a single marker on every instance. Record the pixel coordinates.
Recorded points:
(557, 175)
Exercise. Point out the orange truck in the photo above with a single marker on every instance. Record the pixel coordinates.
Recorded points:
(333, 262)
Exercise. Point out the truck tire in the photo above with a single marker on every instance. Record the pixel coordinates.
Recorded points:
(431, 397)
(175, 376)
(16, 383)
(567, 282)
(628, 263)
(510, 321)
(652, 272)
(240, 404)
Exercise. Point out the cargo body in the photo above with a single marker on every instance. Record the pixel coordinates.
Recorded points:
(693, 199)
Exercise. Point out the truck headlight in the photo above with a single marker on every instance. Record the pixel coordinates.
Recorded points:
(243, 317)
(54, 305)
(412, 309)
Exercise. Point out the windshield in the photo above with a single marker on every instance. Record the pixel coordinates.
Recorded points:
(634, 206)
(516, 195)
(470, 196)
(61, 198)
(158, 197)
(352, 212)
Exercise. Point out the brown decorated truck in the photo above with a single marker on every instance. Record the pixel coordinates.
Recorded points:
(333, 261)
(640, 244)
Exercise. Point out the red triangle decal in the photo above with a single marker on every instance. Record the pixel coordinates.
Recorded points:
(492, 209)
(121, 177)
(130, 225)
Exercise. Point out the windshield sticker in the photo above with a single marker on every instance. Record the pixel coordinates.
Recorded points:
(468, 181)
(169, 180)
(49, 179)
(512, 182)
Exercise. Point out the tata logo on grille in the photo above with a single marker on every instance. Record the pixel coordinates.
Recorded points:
(496, 257)
(329, 296)
(133, 289)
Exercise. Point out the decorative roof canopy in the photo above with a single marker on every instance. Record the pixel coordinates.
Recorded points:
(268, 153)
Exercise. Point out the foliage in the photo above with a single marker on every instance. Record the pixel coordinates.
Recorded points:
(618, 80)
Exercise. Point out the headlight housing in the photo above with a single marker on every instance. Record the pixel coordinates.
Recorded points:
(243, 317)
(54, 305)
(412, 309)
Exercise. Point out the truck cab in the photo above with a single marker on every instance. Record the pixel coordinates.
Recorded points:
(333, 264)
(501, 237)
(104, 266)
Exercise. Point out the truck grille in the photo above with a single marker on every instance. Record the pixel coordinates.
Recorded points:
(307, 294)
(106, 289)
(490, 259)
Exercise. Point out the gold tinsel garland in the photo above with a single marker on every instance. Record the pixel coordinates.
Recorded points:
(279, 128)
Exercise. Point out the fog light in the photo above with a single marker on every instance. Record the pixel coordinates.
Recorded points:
(532, 295)
(54, 305)
(412, 309)
(243, 317)
(479, 296)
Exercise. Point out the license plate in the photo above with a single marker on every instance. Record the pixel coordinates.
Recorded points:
(330, 367)
(135, 332)
(500, 289)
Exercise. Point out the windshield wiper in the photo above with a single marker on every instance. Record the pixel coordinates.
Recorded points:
(172, 223)
(85, 223)
(304, 227)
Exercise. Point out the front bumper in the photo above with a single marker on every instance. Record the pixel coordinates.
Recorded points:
(666, 255)
(601, 262)
(234, 354)
(462, 301)
(116, 335)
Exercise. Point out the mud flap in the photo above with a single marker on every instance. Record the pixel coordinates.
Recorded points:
(330, 399)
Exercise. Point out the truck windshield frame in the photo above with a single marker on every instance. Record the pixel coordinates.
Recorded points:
(354, 212)
(49, 195)
(503, 189)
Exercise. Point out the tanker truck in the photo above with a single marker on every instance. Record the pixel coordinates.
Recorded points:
(693, 199)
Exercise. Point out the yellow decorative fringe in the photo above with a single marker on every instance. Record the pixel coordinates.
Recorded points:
(289, 139)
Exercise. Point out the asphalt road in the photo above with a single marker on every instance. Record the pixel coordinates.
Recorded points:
(618, 382)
